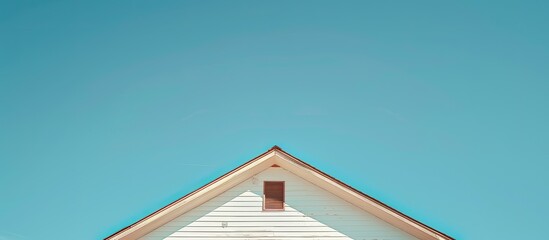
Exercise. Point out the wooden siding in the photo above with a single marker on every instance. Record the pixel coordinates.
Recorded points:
(310, 213)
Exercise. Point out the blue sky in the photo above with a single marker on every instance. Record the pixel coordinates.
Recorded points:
(111, 109)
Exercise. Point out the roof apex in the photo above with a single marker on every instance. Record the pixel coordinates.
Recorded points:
(275, 147)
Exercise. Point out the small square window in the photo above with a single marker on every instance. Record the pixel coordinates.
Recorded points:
(273, 196)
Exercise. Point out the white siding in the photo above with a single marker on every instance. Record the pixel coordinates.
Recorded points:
(310, 213)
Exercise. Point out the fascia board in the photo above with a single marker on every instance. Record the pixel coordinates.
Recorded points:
(194, 199)
(367, 204)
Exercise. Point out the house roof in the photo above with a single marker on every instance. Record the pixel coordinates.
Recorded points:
(279, 157)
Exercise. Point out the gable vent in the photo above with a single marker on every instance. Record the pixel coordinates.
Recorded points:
(273, 196)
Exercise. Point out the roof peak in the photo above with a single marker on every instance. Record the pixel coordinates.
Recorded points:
(275, 147)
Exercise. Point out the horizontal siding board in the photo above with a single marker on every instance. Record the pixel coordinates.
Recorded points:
(257, 210)
(258, 234)
(257, 229)
(242, 238)
(261, 224)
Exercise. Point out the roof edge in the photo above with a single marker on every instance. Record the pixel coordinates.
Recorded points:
(306, 165)
(192, 193)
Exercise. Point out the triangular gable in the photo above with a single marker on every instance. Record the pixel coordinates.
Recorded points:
(278, 158)
(310, 212)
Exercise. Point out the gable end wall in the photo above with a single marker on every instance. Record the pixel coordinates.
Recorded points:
(311, 212)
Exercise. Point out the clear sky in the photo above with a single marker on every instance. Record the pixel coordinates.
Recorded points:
(111, 109)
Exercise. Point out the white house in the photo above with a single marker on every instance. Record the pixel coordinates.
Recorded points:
(277, 196)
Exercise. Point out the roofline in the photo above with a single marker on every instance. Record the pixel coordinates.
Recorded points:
(192, 193)
(363, 194)
(276, 148)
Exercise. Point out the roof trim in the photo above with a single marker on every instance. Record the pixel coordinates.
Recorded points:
(306, 165)
(260, 163)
